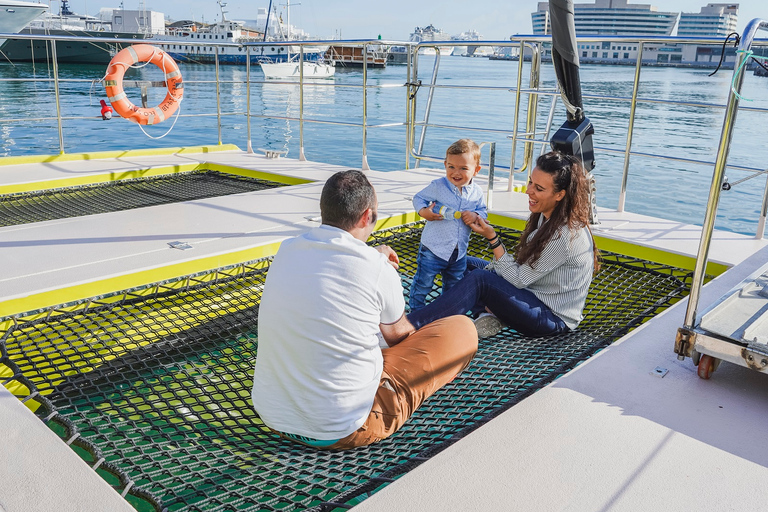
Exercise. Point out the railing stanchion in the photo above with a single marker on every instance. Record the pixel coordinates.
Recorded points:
(429, 102)
(365, 166)
(533, 107)
(409, 79)
(218, 92)
(630, 128)
(763, 211)
(491, 169)
(56, 93)
(248, 95)
(521, 59)
(302, 158)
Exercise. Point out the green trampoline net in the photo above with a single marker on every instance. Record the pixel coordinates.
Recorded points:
(152, 387)
(126, 194)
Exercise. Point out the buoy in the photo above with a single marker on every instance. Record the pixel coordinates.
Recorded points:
(113, 84)
(106, 111)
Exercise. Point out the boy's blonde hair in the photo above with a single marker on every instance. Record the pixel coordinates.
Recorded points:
(462, 146)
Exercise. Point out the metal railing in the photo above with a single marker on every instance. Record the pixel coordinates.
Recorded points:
(532, 48)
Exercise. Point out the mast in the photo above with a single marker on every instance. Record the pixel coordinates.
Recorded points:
(266, 24)
(288, 18)
(222, 5)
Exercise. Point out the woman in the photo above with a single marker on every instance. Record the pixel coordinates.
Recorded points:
(541, 290)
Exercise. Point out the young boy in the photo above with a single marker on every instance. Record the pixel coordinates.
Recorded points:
(444, 241)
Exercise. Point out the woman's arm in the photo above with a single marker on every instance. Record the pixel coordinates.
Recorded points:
(479, 225)
(554, 254)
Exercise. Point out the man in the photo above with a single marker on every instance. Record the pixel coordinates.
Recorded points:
(321, 378)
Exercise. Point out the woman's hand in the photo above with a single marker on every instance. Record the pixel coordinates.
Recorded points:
(479, 225)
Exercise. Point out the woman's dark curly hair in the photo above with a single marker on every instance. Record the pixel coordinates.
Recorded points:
(573, 210)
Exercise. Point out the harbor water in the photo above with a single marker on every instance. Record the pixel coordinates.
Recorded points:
(673, 124)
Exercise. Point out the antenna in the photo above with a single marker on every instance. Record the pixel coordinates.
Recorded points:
(222, 5)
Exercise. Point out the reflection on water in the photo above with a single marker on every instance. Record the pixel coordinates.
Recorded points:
(675, 190)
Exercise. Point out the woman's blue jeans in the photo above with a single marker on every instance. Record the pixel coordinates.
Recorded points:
(518, 308)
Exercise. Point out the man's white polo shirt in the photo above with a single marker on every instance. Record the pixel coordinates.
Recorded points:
(319, 364)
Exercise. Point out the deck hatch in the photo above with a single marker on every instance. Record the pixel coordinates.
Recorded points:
(157, 382)
(125, 194)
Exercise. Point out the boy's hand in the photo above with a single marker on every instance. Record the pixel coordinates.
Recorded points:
(469, 217)
(427, 213)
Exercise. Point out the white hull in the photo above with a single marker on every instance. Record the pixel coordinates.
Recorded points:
(14, 16)
(278, 70)
(444, 50)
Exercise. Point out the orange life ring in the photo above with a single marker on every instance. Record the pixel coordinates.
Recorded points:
(113, 83)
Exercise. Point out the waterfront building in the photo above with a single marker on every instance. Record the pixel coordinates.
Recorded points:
(611, 18)
(713, 20)
(620, 18)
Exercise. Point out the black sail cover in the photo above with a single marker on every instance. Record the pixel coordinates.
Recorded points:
(575, 135)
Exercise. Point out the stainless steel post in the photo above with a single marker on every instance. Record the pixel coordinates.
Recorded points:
(302, 158)
(491, 169)
(533, 107)
(408, 105)
(516, 119)
(413, 56)
(56, 93)
(218, 93)
(365, 107)
(631, 127)
(763, 211)
(429, 103)
(731, 109)
(248, 95)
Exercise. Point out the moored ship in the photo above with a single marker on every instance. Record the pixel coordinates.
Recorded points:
(112, 23)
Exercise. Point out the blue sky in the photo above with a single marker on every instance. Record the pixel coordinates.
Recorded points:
(393, 19)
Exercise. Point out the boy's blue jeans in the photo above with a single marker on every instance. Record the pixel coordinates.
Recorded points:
(518, 308)
(427, 267)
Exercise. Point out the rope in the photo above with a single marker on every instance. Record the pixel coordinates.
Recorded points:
(168, 88)
(742, 180)
(722, 51)
(749, 54)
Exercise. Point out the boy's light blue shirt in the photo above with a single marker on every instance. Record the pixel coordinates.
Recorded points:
(443, 236)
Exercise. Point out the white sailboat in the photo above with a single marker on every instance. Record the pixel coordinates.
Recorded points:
(292, 67)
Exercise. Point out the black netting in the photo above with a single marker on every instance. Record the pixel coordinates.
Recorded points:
(155, 387)
(123, 195)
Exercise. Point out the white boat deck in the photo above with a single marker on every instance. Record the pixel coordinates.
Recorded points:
(609, 435)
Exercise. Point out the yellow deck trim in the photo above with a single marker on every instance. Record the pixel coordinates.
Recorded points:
(110, 176)
(627, 248)
(253, 173)
(92, 179)
(93, 289)
(102, 155)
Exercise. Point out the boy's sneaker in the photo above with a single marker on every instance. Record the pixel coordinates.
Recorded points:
(487, 325)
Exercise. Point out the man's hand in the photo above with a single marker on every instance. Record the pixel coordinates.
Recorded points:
(427, 213)
(390, 254)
